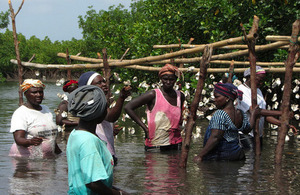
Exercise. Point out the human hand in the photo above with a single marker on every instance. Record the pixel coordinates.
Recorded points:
(294, 129)
(255, 111)
(36, 141)
(197, 159)
(125, 92)
(117, 129)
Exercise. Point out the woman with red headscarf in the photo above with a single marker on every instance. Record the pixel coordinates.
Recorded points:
(63, 118)
(164, 112)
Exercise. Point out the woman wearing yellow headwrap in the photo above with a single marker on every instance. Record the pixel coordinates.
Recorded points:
(32, 124)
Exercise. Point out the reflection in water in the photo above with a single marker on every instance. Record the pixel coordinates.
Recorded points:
(162, 172)
(37, 176)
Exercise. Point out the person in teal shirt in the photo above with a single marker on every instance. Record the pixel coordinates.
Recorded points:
(90, 164)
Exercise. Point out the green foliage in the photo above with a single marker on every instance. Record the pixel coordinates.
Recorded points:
(153, 22)
(4, 21)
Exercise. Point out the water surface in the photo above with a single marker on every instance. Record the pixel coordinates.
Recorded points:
(140, 172)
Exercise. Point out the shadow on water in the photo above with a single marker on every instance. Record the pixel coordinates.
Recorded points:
(140, 172)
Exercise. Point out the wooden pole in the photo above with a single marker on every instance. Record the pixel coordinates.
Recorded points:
(124, 54)
(107, 73)
(259, 48)
(16, 43)
(230, 75)
(280, 38)
(147, 68)
(252, 60)
(69, 63)
(181, 52)
(291, 60)
(194, 106)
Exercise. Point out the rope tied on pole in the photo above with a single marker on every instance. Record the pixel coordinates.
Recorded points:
(297, 41)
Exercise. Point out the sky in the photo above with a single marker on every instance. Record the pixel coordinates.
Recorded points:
(56, 19)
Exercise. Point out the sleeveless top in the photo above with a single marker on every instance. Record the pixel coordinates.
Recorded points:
(228, 147)
(163, 121)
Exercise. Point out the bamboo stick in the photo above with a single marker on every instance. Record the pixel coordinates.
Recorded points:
(281, 38)
(291, 59)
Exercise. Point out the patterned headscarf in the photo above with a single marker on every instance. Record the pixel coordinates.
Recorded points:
(28, 83)
(228, 90)
(69, 83)
(169, 69)
(259, 70)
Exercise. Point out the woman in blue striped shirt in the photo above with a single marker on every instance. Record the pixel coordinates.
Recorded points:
(221, 140)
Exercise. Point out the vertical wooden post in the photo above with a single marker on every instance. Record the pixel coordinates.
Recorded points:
(16, 43)
(230, 75)
(252, 60)
(194, 106)
(285, 106)
(107, 72)
(68, 62)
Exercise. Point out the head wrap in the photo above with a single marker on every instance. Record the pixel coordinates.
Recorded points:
(259, 70)
(228, 90)
(87, 102)
(69, 83)
(87, 78)
(28, 83)
(169, 69)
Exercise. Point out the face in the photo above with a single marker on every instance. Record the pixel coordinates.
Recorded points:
(34, 95)
(260, 79)
(220, 100)
(72, 88)
(168, 81)
(100, 82)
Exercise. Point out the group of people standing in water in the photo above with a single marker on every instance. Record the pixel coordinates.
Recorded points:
(90, 148)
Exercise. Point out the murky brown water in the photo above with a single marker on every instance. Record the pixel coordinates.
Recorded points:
(140, 172)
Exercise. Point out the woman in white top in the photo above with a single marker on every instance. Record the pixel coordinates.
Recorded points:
(32, 125)
(244, 105)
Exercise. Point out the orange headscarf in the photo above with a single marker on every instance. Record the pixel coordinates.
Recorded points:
(28, 83)
(169, 69)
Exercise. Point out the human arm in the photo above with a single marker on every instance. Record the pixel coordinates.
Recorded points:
(277, 122)
(114, 113)
(60, 120)
(213, 140)
(146, 99)
(254, 113)
(20, 139)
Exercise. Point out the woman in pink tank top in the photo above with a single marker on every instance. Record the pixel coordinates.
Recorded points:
(164, 112)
